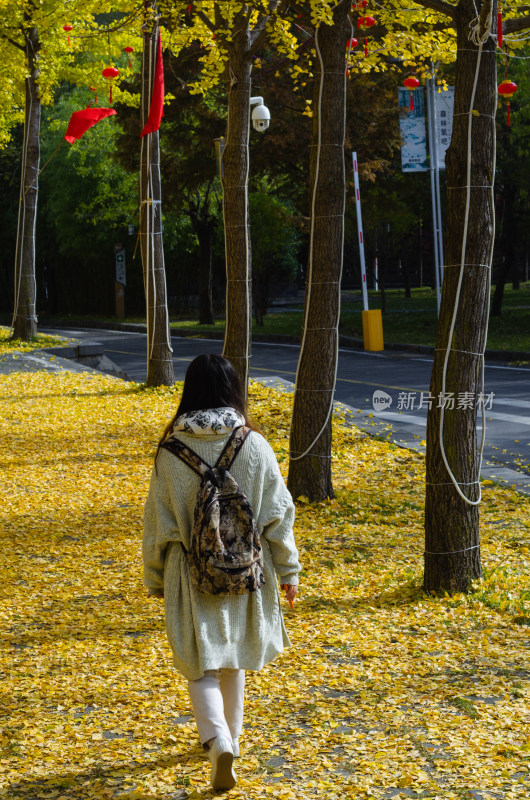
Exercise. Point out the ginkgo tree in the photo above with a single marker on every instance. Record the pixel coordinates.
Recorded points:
(310, 442)
(159, 350)
(395, 33)
(232, 33)
(469, 31)
(452, 544)
(39, 46)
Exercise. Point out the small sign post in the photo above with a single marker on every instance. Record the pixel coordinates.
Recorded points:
(120, 281)
(414, 151)
(360, 231)
(372, 320)
(219, 148)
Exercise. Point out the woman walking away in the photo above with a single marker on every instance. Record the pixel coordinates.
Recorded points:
(217, 539)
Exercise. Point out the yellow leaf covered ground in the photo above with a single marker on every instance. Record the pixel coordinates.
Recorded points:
(8, 345)
(386, 692)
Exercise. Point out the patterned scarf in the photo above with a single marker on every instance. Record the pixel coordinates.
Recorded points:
(209, 420)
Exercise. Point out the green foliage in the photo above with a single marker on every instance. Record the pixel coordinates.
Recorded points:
(86, 171)
(513, 163)
(275, 246)
(101, 28)
(87, 201)
(9, 196)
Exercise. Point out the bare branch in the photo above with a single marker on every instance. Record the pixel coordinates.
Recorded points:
(438, 5)
(514, 25)
(207, 21)
(378, 31)
(258, 32)
(13, 42)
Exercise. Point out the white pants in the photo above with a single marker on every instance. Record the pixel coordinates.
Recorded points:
(217, 699)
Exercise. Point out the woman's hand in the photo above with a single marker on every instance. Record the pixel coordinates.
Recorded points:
(290, 593)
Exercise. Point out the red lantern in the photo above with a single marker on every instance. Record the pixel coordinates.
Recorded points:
(110, 74)
(93, 89)
(361, 4)
(365, 22)
(350, 44)
(507, 89)
(411, 83)
(129, 50)
(67, 29)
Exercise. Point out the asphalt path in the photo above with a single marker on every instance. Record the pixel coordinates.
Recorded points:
(401, 379)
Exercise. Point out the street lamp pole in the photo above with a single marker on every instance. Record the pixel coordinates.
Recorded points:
(435, 184)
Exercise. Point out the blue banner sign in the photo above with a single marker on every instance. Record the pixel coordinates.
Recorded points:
(413, 132)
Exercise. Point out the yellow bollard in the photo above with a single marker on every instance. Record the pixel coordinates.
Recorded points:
(373, 330)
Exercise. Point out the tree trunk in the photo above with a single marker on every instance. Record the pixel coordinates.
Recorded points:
(310, 447)
(159, 350)
(507, 248)
(261, 287)
(237, 342)
(24, 314)
(452, 550)
(203, 224)
(206, 316)
(382, 278)
(260, 300)
(404, 266)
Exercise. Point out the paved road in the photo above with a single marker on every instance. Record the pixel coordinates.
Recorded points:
(402, 377)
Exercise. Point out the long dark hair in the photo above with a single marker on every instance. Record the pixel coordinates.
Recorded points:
(210, 382)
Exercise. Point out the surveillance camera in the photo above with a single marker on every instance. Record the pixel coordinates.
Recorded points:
(261, 118)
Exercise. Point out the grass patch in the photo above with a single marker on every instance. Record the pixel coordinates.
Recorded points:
(414, 320)
(284, 324)
(462, 704)
(411, 320)
(406, 320)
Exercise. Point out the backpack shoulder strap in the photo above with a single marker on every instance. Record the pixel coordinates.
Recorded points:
(187, 455)
(232, 447)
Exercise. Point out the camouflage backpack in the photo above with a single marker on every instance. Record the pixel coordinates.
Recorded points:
(225, 555)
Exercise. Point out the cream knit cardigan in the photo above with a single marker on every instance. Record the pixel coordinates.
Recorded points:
(207, 631)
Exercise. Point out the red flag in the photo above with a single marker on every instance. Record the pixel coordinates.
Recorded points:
(156, 109)
(81, 121)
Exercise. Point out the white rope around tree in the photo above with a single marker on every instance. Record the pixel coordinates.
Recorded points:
(21, 232)
(147, 185)
(311, 248)
(19, 252)
(151, 207)
(478, 39)
(247, 278)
